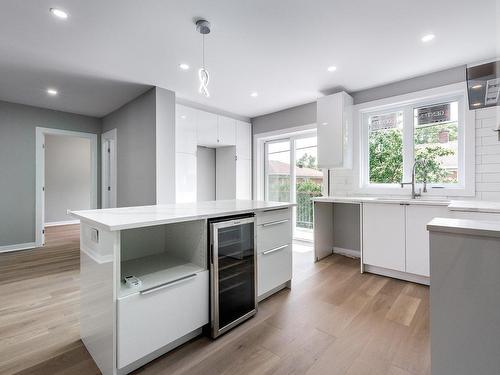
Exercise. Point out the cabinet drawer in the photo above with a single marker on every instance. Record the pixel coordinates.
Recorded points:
(273, 234)
(147, 322)
(265, 217)
(274, 268)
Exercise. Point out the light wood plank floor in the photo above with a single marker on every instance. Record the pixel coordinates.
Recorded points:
(333, 321)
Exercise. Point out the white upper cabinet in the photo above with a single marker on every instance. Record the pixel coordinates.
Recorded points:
(207, 126)
(226, 131)
(185, 129)
(243, 179)
(334, 123)
(243, 140)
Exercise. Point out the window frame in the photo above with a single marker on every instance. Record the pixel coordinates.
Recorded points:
(407, 103)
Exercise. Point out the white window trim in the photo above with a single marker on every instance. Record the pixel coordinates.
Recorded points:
(456, 92)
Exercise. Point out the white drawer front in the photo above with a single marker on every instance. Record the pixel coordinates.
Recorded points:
(273, 215)
(273, 234)
(147, 322)
(274, 268)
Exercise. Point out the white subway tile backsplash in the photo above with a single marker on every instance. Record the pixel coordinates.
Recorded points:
(490, 177)
(488, 168)
(489, 159)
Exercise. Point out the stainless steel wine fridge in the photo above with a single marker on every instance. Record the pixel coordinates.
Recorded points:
(233, 274)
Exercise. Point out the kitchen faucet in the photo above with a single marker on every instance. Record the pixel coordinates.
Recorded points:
(414, 194)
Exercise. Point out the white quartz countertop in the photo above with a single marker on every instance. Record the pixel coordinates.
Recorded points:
(453, 205)
(465, 227)
(113, 219)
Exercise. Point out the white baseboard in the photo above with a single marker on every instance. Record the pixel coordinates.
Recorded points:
(397, 274)
(16, 247)
(347, 252)
(57, 223)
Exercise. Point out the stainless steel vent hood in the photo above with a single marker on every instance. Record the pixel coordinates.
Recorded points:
(483, 84)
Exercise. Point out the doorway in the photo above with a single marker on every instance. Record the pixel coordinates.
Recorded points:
(292, 175)
(64, 175)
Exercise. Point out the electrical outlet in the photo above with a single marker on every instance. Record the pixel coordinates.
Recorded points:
(94, 235)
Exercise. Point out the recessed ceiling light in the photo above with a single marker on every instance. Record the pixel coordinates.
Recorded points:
(184, 66)
(427, 38)
(254, 94)
(331, 68)
(183, 117)
(477, 87)
(59, 13)
(52, 92)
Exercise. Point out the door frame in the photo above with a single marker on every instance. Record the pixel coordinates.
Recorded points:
(110, 136)
(40, 174)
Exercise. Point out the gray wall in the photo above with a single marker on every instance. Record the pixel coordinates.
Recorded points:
(145, 136)
(136, 150)
(306, 114)
(165, 146)
(205, 174)
(17, 164)
(67, 176)
(296, 116)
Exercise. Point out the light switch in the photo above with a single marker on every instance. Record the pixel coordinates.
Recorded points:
(94, 235)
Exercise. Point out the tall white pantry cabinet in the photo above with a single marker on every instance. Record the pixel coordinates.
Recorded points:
(232, 140)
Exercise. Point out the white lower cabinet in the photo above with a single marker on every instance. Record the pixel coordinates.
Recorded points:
(147, 322)
(417, 236)
(274, 268)
(274, 249)
(384, 235)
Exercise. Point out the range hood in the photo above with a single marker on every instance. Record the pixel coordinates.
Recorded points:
(483, 85)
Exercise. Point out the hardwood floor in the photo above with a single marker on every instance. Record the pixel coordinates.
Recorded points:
(333, 321)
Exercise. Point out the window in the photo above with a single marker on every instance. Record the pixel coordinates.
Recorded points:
(430, 132)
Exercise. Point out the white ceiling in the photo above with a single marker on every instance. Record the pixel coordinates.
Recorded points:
(107, 51)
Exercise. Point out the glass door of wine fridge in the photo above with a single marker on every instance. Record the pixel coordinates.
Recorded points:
(233, 272)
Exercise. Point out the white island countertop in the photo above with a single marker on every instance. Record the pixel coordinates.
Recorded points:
(465, 227)
(112, 219)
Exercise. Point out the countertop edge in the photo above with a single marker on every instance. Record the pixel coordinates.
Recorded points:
(466, 227)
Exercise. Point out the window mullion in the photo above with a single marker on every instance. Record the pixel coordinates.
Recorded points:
(408, 146)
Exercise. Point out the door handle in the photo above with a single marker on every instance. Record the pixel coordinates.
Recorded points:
(168, 284)
(275, 249)
(275, 223)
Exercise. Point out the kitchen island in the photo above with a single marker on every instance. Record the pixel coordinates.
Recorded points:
(166, 247)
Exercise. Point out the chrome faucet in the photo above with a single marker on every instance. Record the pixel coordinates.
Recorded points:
(414, 194)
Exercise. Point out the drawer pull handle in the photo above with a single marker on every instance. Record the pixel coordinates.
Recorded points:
(169, 283)
(275, 223)
(275, 249)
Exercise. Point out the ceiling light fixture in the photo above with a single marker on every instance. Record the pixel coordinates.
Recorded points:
(58, 13)
(254, 94)
(331, 68)
(52, 92)
(203, 27)
(184, 66)
(427, 38)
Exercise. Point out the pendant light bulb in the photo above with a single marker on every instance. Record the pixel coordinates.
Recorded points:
(203, 27)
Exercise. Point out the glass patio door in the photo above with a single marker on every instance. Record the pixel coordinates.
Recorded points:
(292, 175)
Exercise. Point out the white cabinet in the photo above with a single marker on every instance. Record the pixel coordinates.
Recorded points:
(243, 179)
(384, 235)
(185, 177)
(207, 127)
(274, 248)
(334, 124)
(417, 236)
(185, 129)
(226, 131)
(147, 322)
(233, 175)
(243, 140)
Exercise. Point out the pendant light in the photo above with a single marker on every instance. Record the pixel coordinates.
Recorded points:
(203, 27)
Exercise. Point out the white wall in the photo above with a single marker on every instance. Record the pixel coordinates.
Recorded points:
(67, 176)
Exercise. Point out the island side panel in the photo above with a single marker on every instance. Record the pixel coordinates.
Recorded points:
(98, 262)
